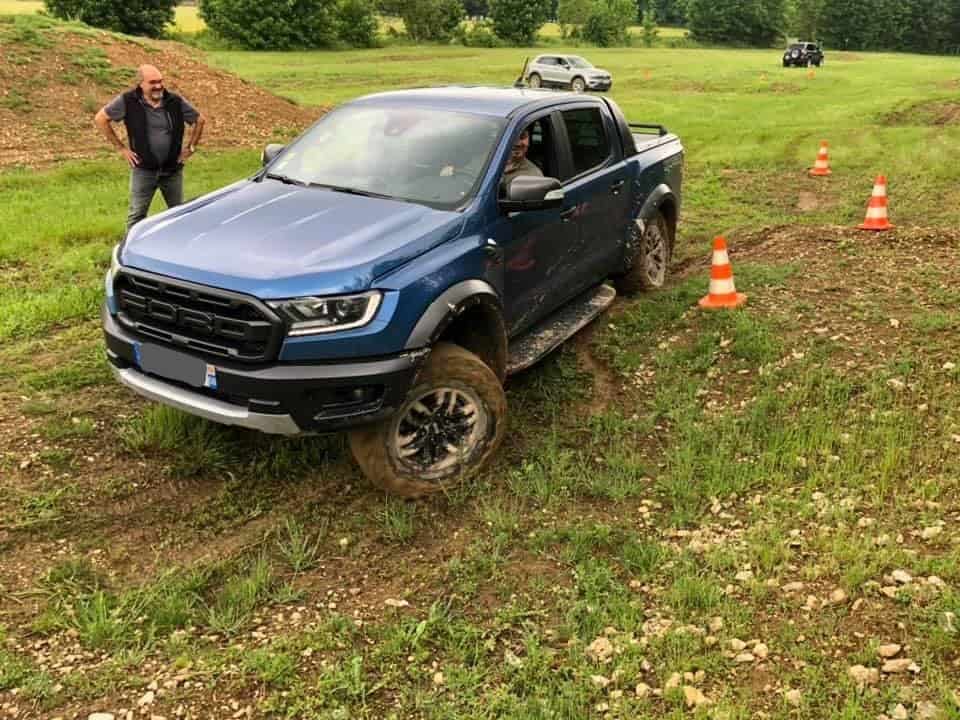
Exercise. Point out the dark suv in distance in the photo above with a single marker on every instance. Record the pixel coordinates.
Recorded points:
(803, 54)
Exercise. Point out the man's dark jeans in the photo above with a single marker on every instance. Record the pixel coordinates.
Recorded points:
(143, 185)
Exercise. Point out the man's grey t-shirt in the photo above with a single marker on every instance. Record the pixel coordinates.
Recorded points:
(524, 168)
(159, 125)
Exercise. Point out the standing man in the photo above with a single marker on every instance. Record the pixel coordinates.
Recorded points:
(155, 121)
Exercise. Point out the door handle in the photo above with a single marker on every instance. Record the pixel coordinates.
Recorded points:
(493, 251)
(566, 215)
(617, 187)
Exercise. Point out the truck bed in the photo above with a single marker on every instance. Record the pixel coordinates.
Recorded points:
(648, 141)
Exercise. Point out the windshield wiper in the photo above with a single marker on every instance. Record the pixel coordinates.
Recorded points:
(354, 191)
(285, 179)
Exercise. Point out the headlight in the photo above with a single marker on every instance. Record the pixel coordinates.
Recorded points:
(312, 315)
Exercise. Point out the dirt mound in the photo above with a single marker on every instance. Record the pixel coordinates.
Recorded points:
(55, 76)
(933, 112)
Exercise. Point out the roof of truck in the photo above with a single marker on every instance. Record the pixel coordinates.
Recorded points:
(480, 100)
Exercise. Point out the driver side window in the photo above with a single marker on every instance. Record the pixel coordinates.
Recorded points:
(541, 148)
(539, 157)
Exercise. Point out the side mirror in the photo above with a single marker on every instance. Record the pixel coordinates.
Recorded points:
(270, 152)
(531, 192)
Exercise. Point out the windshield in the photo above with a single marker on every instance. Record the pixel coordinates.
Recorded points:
(426, 156)
(796, 46)
(578, 62)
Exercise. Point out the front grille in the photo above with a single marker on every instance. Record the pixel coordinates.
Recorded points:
(204, 319)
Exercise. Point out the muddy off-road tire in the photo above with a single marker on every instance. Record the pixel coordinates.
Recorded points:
(651, 256)
(447, 429)
(534, 80)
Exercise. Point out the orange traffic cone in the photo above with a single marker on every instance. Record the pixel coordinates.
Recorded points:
(822, 165)
(811, 74)
(722, 293)
(877, 208)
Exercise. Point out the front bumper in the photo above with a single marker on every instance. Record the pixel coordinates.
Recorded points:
(599, 84)
(278, 399)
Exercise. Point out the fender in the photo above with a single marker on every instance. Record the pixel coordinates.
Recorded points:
(653, 202)
(444, 310)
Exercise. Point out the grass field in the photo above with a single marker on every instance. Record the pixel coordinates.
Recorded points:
(749, 125)
(725, 516)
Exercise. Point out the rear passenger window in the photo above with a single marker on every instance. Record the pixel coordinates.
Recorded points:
(588, 139)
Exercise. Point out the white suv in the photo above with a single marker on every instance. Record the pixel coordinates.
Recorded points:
(570, 71)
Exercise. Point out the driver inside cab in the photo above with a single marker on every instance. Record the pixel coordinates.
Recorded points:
(519, 163)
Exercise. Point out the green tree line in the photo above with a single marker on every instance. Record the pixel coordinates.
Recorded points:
(926, 26)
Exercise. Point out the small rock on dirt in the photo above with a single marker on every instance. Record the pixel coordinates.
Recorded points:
(673, 681)
(600, 650)
(838, 596)
(601, 681)
(737, 645)
(893, 667)
(863, 676)
(889, 651)
(761, 651)
(743, 658)
(693, 697)
(928, 711)
(100, 716)
(793, 697)
(642, 690)
(902, 577)
(899, 712)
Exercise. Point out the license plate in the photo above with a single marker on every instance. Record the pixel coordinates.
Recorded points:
(173, 365)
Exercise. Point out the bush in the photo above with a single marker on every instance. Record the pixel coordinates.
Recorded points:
(272, 24)
(609, 22)
(572, 14)
(357, 23)
(650, 29)
(479, 34)
(746, 22)
(134, 17)
(435, 20)
(518, 21)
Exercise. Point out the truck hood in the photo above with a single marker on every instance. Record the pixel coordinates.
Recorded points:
(272, 240)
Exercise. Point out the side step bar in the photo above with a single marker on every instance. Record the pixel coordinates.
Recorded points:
(551, 332)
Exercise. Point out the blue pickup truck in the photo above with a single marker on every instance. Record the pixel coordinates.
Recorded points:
(381, 275)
